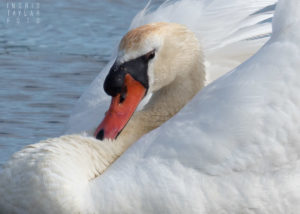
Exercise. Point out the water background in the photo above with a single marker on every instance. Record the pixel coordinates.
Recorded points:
(47, 60)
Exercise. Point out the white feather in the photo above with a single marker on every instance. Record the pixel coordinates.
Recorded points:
(234, 148)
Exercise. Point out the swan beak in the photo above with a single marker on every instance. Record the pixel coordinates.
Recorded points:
(122, 107)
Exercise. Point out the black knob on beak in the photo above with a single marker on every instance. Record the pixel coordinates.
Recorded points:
(114, 81)
(137, 68)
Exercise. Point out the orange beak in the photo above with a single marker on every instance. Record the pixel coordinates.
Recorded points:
(121, 109)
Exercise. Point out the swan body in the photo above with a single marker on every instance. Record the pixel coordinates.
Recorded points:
(233, 149)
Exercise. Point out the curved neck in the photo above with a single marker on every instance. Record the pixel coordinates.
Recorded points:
(163, 105)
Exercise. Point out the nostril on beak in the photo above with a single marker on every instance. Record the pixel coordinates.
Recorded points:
(123, 95)
(100, 135)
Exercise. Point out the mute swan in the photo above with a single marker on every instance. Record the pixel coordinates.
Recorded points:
(163, 59)
(239, 154)
(229, 32)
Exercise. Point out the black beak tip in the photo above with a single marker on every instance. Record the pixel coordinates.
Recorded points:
(100, 135)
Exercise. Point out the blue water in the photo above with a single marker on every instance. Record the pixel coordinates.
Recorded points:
(49, 58)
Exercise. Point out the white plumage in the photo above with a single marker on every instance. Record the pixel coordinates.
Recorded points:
(233, 149)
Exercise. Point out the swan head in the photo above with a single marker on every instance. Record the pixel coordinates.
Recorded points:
(150, 58)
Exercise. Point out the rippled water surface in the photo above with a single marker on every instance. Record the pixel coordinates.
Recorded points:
(47, 60)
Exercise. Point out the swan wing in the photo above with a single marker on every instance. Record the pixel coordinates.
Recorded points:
(233, 149)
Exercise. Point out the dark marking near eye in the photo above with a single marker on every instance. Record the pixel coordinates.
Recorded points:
(150, 55)
(137, 68)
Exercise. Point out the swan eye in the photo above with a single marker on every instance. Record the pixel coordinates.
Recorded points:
(150, 55)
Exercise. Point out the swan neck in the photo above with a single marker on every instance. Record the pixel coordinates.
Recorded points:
(163, 105)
